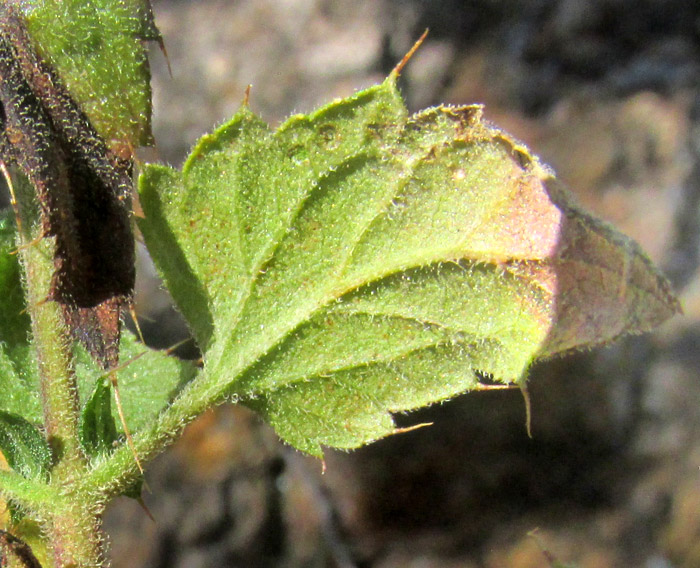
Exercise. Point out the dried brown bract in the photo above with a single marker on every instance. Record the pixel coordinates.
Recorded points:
(83, 190)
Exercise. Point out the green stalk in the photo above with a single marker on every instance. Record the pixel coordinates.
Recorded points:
(73, 522)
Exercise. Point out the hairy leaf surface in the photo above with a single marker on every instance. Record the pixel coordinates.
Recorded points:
(98, 48)
(359, 261)
(24, 447)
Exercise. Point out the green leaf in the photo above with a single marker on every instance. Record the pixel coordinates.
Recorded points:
(98, 430)
(97, 47)
(359, 261)
(15, 321)
(268, 177)
(18, 376)
(24, 447)
(148, 379)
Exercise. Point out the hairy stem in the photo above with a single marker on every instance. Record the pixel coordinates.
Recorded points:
(72, 523)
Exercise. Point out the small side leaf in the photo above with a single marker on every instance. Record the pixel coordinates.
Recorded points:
(24, 447)
(14, 320)
(148, 380)
(98, 430)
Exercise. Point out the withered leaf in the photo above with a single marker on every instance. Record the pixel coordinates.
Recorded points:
(83, 190)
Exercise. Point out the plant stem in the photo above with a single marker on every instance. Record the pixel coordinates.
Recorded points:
(72, 523)
(58, 385)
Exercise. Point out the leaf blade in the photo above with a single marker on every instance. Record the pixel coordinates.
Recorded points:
(24, 447)
(431, 246)
(106, 70)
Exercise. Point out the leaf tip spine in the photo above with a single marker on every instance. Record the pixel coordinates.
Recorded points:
(246, 96)
(397, 70)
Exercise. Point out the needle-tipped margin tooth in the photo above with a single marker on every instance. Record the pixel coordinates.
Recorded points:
(397, 70)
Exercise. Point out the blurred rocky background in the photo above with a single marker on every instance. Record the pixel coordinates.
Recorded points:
(607, 92)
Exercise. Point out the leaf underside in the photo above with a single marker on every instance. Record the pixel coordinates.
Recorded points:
(358, 262)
